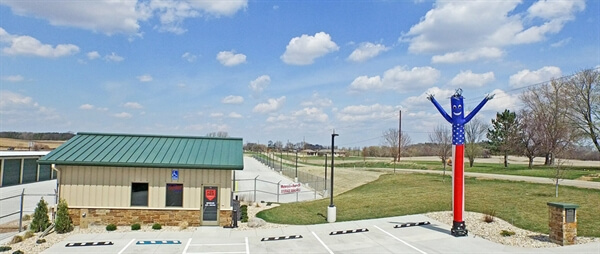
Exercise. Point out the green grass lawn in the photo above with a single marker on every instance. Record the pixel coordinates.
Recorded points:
(522, 204)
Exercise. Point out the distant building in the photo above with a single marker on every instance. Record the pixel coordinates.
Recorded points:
(21, 167)
(127, 178)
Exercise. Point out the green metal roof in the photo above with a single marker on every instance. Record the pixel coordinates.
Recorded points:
(129, 150)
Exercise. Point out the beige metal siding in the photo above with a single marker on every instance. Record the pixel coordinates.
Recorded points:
(89, 186)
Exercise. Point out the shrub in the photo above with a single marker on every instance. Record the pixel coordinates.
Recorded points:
(183, 225)
(136, 226)
(5, 248)
(40, 241)
(16, 239)
(156, 226)
(244, 211)
(40, 217)
(18, 252)
(63, 221)
(506, 233)
(489, 216)
(111, 227)
(28, 234)
(26, 217)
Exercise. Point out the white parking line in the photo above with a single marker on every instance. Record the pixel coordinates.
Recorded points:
(126, 246)
(187, 245)
(322, 243)
(247, 246)
(407, 244)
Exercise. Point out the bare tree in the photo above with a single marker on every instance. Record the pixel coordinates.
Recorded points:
(474, 131)
(391, 137)
(442, 139)
(531, 135)
(548, 104)
(218, 134)
(583, 91)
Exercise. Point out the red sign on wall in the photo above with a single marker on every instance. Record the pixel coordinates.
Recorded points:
(210, 194)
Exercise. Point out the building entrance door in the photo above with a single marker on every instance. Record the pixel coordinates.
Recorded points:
(210, 206)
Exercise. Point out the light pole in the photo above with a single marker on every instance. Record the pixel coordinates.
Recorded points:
(331, 210)
(296, 178)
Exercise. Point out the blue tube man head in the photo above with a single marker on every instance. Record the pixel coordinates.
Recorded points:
(458, 111)
(457, 115)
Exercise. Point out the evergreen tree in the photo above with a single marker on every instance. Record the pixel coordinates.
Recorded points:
(504, 133)
(40, 221)
(63, 221)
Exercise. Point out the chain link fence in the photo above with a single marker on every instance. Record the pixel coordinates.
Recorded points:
(315, 182)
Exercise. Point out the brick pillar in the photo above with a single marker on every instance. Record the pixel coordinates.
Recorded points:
(562, 222)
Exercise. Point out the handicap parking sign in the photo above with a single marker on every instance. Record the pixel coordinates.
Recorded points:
(174, 174)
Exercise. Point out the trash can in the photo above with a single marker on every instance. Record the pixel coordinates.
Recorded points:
(563, 223)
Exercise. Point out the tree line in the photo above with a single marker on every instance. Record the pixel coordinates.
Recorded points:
(60, 136)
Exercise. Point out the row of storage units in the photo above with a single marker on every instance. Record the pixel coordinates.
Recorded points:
(21, 167)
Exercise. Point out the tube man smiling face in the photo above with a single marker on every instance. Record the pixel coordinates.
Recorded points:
(458, 111)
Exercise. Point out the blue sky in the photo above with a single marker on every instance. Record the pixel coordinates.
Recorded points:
(279, 70)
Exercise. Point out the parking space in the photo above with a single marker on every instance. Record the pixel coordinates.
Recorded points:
(367, 236)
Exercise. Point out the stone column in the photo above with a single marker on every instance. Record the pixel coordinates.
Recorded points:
(563, 223)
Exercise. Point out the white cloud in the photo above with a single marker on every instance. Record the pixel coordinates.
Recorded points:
(230, 58)
(233, 99)
(172, 13)
(133, 105)
(468, 55)
(27, 45)
(189, 57)
(305, 49)
(260, 83)
(527, 77)
(17, 109)
(502, 101)
(311, 114)
(103, 15)
(123, 115)
(359, 113)
(468, 79)
(561, 43)
(86, 107)
(113, 58)
(144, 78)
(453, 26)
(399, 78)
(13, 78)
(93, 55)
(317, 101)
(216, 115)
(367, 51)
(234, 115)
(110, 17)
(270, 106)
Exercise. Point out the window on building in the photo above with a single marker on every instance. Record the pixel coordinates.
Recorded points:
(174, 194)
(139, 194)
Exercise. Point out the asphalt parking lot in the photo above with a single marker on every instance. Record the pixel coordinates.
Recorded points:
(366, 236)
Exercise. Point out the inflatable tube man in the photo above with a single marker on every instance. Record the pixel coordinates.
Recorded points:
(458, 121)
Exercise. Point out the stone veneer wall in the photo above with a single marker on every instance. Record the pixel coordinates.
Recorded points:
(561, 232)
(126, 217)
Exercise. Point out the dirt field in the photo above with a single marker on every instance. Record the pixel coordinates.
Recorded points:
(20, 144)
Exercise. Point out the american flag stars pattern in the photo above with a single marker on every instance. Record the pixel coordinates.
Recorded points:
(458, 134)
